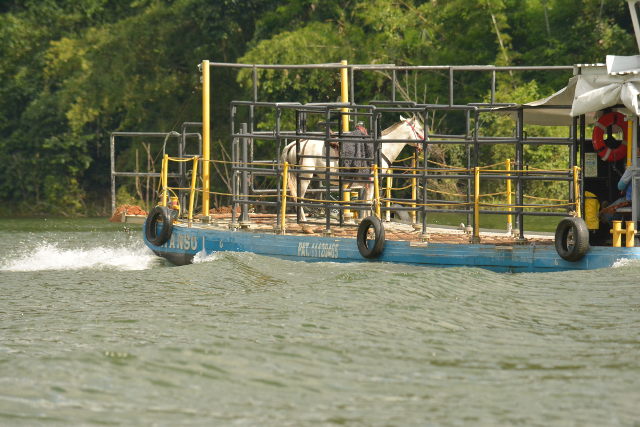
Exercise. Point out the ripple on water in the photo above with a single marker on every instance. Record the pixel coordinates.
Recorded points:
(240, 338)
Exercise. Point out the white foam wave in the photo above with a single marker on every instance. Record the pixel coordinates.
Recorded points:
(50, 257)
(623, 262)
(202, 256)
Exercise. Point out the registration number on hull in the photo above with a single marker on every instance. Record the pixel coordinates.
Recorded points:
(318, 250)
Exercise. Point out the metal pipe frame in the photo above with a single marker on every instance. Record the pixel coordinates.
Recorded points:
(112, 151)
(518, 174)
(248, 135)
(476, 139)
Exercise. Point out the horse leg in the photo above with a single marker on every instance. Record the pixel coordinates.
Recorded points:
(305, 180)
(293, 189)
(303, 174)
(304, 184)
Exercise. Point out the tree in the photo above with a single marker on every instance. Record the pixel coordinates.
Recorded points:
(75, 70)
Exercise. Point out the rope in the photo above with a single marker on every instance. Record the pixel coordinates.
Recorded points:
(181, 160)
(493, 194)
(429, 204)
(426, 170)
(444, 192)
(404, 159)
(405, 170)
(229, 162)
(444, 165)
(495, 164)
(525, 171)
(498, 205)
(544, 198)
(255, 196)
(412, 171)
(305, 199)
(396, 188)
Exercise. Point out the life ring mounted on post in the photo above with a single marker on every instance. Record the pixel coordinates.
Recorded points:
(606, 145)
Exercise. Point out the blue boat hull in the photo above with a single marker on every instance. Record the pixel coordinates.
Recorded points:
(186, 242)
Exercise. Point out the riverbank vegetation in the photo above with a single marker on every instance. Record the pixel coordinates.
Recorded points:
(72, 71)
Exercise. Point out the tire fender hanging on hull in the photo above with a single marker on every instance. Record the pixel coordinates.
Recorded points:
(367, 249)
(151, 226)
(572, 239)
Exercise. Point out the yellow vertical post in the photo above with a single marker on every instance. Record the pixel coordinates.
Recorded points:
(509, 217)
(576, 190)
(376, 191)
(283, 205)
(344, 97)
(630, 234)
(344, 94)
(616, 231)
(346, 197)
(164, 179)
(629, 141)
(414, 188)
(476, 204)
(387, 195)
(353, 195)
(206, 137)
(194, 180)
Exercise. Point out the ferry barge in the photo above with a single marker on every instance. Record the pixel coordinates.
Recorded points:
(329, 204)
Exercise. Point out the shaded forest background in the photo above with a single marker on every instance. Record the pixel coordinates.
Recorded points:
(72, 71)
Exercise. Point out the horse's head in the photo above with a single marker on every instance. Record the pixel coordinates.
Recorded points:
(416, 130)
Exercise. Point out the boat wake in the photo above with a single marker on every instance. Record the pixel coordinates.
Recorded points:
(48, 256)
(202, 257)
(624, 262)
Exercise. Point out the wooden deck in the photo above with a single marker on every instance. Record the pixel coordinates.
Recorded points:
(397, 231)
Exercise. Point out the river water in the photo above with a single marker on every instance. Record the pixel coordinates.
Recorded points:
(94, 329)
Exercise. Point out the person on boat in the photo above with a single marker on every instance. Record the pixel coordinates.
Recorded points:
(610, 213)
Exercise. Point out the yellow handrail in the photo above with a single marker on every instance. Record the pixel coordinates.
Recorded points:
(576, 189)
(380, 200)
(476, 205)
(163, 179)
(387, 193)
(509, 217)
(376, 191)
(206, 136)
(344, 95)
(194, 176)
(283, 205)
(414, 187)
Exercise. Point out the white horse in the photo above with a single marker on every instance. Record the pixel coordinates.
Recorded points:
(312, 154)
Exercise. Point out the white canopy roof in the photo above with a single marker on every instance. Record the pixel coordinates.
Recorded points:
(594, 89)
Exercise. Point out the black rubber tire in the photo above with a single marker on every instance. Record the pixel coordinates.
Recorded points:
(150, 227)
(374, 250)
(572, 239)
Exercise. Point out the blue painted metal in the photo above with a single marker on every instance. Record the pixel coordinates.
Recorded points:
(186, 242)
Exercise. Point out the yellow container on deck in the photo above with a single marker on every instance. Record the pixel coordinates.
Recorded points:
(591, 210)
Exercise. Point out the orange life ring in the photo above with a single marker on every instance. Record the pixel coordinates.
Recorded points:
(610, 149)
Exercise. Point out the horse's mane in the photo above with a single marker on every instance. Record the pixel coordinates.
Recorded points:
(391, 128)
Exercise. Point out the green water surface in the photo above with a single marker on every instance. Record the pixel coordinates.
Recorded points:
(95, 330)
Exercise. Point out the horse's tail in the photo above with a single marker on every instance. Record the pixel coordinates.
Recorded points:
(288, 156)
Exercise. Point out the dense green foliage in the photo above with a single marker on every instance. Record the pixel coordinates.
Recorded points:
(72, 71)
